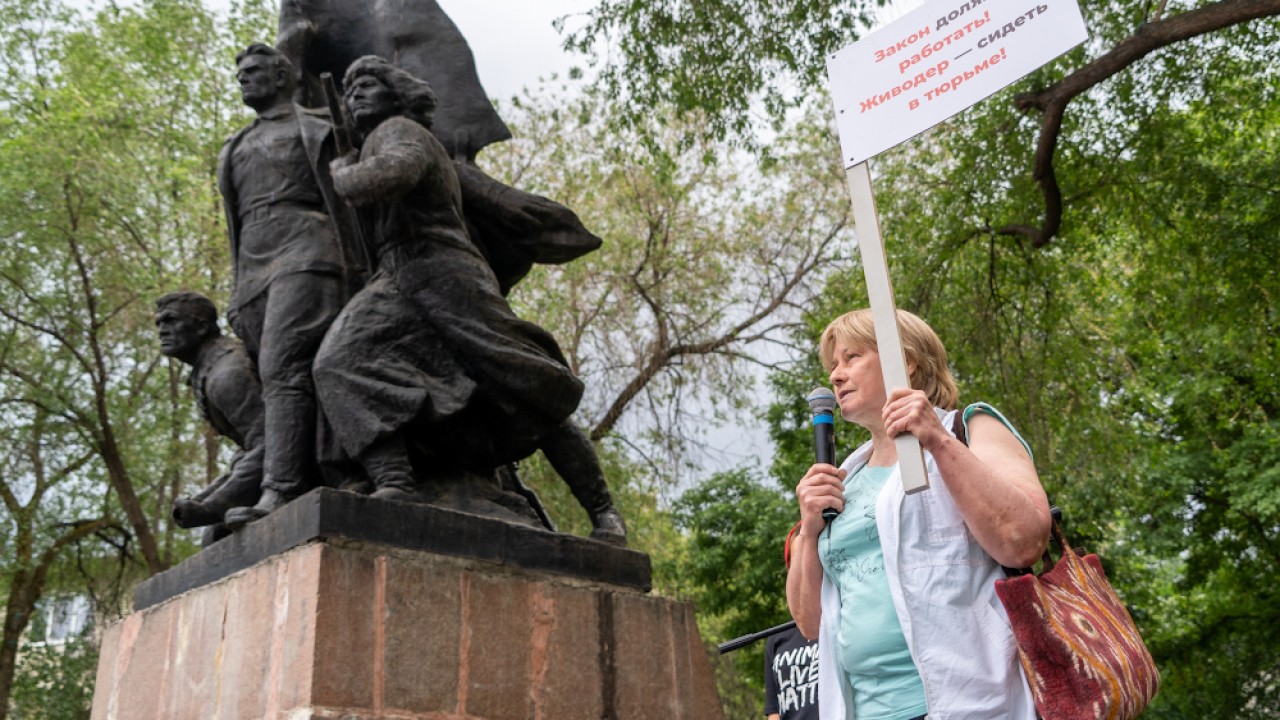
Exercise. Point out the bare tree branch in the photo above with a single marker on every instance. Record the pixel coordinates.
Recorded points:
(1052, 101)
(50, 332)
(117, 473)
(663, 353)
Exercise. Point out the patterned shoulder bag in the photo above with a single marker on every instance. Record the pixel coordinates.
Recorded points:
(1079, 648)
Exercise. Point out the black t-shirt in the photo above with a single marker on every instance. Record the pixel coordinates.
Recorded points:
(791, 676)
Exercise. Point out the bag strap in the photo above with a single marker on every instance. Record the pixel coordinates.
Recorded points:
(958, 429)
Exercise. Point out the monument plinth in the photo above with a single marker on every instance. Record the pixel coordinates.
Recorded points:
(345, 607)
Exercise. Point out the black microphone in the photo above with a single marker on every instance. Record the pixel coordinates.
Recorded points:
(822, 402)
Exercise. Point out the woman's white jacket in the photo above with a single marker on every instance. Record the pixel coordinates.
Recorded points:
(943, 587)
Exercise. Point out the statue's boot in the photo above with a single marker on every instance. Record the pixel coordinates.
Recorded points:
(387, 464)
(571, 453)
(270, 501)
(198, 511)
(290, 463)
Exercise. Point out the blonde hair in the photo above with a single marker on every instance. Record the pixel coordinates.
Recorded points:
(921, 345)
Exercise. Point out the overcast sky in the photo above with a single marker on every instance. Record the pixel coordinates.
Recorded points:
(513, 41)
(515, 44)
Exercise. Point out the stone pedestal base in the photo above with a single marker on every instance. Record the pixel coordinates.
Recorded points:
(336, 629)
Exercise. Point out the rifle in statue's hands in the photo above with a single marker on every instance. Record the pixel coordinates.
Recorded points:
(341, 132)
(352, 236)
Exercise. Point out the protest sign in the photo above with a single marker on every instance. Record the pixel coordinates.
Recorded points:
(907, 77)
(938, 60)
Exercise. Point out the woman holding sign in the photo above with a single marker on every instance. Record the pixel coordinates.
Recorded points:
(901, 588)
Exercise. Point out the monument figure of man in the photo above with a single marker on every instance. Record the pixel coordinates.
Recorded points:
(229, 397)
(512, 228)
(293, 262)
(428, 356)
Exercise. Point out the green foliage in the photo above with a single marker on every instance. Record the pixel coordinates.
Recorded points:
(736, 524)
(1137, 352)
(1201, 337)
(110, 124)
(55, 681)
(739, 677)
(713, 59)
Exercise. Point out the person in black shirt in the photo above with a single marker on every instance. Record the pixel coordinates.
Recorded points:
(791, 677)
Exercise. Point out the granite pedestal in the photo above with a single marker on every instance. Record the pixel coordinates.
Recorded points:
(340, 607)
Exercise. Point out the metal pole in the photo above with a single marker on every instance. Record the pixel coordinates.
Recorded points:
(736, 643)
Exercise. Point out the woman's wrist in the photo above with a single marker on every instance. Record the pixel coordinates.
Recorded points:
(941, 443)
(806, 534)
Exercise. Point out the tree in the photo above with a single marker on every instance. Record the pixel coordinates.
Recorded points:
(1199, 331)
(1136, 352)
(718, 58)
(1116, 301)
(109, 130)
(705, 260)
(55, 681)
(1154, 33)
(736, 523)
(44, 516)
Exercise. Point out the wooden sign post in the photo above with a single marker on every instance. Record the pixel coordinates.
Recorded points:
(893, 362)
(903, 79)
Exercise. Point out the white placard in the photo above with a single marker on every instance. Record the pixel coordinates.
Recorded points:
(938, 60)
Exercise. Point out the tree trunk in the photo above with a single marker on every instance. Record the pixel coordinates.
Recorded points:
(25, 589)
(18, 608)
(129, 501)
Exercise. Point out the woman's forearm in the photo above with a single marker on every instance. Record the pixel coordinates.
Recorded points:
(804, 585)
